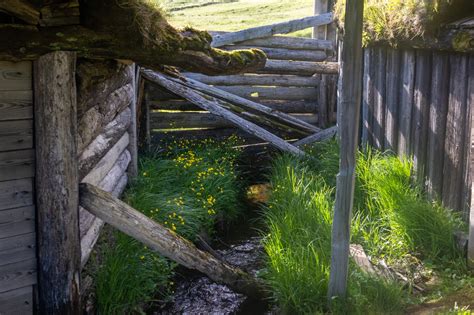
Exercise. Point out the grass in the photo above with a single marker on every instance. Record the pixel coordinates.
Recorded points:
(188, 188)
(225, 15)
(391, 220)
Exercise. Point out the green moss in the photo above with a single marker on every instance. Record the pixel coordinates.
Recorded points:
(463, 41)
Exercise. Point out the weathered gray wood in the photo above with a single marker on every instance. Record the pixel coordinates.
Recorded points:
(348, 122)
(16, 105)
(99, 147)
(285, 54)
(16, 164)
(437, 124)
(92, 123)
(167, 120)
(320, 7)
(133, 128)
(248, 104)
(17, 275)
(17, 301)
(322, 135)
(323, 104)
(421, 113)
(59, 14)
(467, 142)
(392, 95)
(164, 241)
(57, 184)
(470, 136)
(17, 221)
(285, 42)
(16, 135)
(362, 261)
(269, 30)
(406, 100)
(272, 93)
(15, 76)
(378, 126)
(455, 122)
(367, 99)
(212, 105)
(299, 67)
(252, 79)
(21, 9)
(16, 193)
(24, 240)
(15, 255)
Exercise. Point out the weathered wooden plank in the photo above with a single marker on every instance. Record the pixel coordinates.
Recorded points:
(378, 127)
(470, 186)
(320, 6)
(17, 275)
(299, 67)
(272, 93)
(17, 221)
(16, 255)
(16, 135)
(323, 105)
(421, 112)
(59, 252)
(15, 76)
(133, 128)
(23, 240)
(467, 145)
(392, 93)
(437, 124)
(16, 105)
(348, 123)
(17, 301)
(322, 135)
(455, 124)
(16, 164)
(406, 102)
(16, 193)
(252, 79)
(57, 14)
(285, 54)
(269, 30)
(171, 120)
(367, 99)
(285, 42)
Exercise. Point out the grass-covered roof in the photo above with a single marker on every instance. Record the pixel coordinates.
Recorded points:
(395, 21)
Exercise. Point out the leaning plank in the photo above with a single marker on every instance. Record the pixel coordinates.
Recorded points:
(285, 42)
(164, 241)
(252, 79)
(269, 30)
(299, 67)
(285, 54)
(322, 135)
(212, 105)
(21, 9)
(248, 104)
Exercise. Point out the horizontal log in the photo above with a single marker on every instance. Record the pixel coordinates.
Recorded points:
(285, 54)
(176, 120)
(272, 93)
(16, 105)
(322, 135)
(253, 79)
(269, 30)
(99, 147)
(282, 106)
(286, 42)
(299, 67)
(166, 242)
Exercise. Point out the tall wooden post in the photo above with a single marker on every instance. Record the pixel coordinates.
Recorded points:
(348, 121)
(132, 130)
(57, 194)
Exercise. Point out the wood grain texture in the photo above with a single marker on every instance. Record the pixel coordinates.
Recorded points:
(16, 193)
(17, 221)
(15, 76)
(16, 135)
(368, 99)
(285, 54)
(16, 105)
(57, 181)
(17, 301)
(392, 95)
(299, 67)
(279, 93)
(252, 79)
(17, 275)
(406, 100)
(17, 164)
(470, 136)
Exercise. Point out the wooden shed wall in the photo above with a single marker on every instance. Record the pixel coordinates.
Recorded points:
(17, 209)
(419, 103)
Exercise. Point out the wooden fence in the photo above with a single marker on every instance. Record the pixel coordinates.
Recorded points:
(291, 82)
(418, 103)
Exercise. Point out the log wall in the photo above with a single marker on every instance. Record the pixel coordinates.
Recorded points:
(289, 83)
(418, 103)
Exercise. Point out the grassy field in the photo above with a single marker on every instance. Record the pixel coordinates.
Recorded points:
(234, 15)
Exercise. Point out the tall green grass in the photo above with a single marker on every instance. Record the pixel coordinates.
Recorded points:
(188, 187)
(391, 220)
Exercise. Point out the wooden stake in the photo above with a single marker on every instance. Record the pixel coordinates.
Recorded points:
(348, 121)
(57, 196)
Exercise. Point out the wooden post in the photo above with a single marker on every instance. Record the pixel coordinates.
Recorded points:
(348, 121)
(470, 134)
(320, 7)
(57, 195)
(132, 130)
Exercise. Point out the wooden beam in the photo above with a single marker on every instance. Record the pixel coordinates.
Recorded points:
(285, 54)
(322, 135)
(299, 67)
(164, 241)
(57, 196)
(348, 121)
(261, 80)
(269, 30)
(21, 9)
(132, 129)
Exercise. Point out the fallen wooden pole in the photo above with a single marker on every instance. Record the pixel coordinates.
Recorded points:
(261, 80)
(212, 105)
(299, 67)
(269, 30)
(164, 241)
(323, 135)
